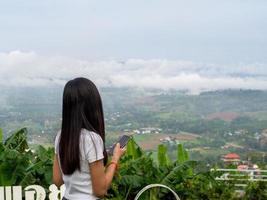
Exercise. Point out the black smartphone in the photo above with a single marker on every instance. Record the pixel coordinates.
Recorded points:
(123, 140)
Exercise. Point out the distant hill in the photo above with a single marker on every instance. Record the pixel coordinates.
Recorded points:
(140, 107)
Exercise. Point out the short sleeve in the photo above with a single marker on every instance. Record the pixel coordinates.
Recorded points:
(56, 143)
(93, 147)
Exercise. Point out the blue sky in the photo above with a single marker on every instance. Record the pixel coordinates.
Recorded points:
(222, 31)
(197, 45)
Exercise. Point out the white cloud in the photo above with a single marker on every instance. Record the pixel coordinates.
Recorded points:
(19, 68)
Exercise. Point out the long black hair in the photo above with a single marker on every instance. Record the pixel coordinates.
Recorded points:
(82, 108)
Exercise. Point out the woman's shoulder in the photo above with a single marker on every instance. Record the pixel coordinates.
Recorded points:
(91, 135)
(85, 135)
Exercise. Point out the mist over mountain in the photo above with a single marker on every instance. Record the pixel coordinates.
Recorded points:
(28, 69)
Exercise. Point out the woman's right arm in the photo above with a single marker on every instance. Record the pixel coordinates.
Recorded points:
(101, 177)
(57, 176)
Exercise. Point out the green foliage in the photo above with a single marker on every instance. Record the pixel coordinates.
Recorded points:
(17, 141)
(21, 166)
(163, 158)
(182, 175)
(133, 150)
(256, 191)
(182, 154)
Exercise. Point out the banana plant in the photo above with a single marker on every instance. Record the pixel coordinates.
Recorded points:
(133, 150)
(163, 158)
(182, 154)
(20, 166)
(17, 141)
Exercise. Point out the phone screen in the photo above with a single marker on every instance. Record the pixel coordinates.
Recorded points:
(123, 142)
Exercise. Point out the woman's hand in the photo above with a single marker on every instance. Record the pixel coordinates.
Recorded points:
(118, 152)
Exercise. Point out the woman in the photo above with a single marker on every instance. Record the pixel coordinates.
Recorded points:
(80, 153)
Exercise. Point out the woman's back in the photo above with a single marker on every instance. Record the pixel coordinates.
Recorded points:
(79, 185)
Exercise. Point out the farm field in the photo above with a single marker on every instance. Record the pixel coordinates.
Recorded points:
(151, 141)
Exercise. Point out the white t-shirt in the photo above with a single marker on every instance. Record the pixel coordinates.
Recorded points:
(79, 185)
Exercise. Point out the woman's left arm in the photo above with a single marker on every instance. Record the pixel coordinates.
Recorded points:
(57, 176)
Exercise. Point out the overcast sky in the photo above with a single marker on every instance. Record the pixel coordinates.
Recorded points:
(194, 44)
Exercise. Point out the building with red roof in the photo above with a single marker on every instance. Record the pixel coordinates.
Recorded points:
(231, 158)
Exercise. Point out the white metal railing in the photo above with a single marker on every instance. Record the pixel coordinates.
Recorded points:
(241, 177)
(241, 174)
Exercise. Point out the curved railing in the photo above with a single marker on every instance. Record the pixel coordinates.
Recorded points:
(153, 186)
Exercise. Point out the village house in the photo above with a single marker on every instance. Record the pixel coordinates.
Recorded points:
(231, 158)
